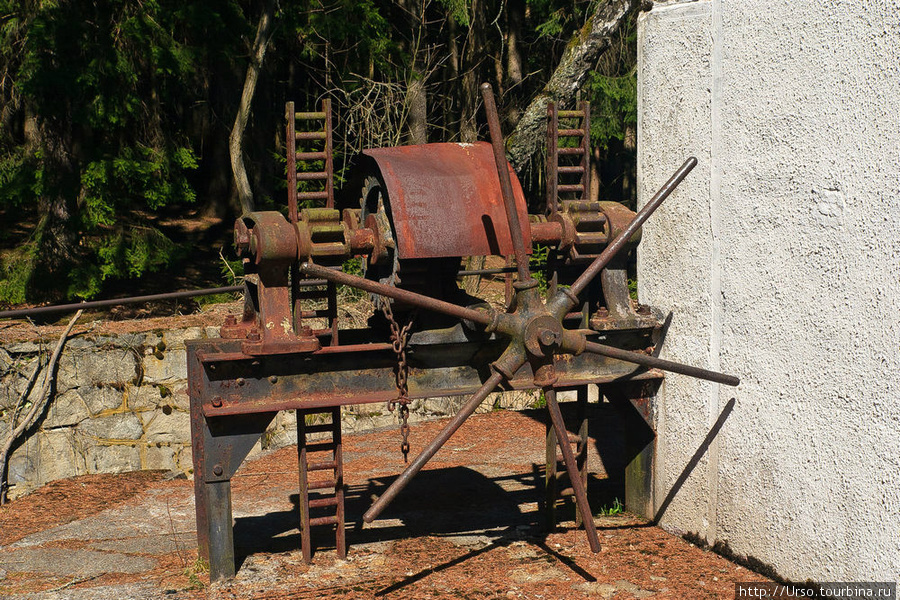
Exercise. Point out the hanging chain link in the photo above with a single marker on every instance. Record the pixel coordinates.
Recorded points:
(399, 339)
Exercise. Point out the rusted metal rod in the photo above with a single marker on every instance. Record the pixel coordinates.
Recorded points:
(68, 308)
(495, 271)
(659, 363)
(610, 251)
(512, 215)
(431, 449)
(461, 312)
(562, 437)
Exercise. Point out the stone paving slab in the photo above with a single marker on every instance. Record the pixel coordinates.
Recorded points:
(74, 563)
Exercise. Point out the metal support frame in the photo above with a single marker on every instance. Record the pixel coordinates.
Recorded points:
(634, 400)
(235, 396)
(636, 405)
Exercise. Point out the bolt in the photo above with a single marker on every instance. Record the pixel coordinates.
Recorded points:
(253, 336)
(273, 379)
(240, 381)
(217, 401)
(230, 320)
(548, 337)
(218, 470)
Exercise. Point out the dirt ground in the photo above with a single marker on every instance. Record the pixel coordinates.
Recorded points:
(469, 526)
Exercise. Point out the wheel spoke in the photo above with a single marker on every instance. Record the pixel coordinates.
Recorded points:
(509, 202)
(426, 302)
(659, 363)
(562, 437)
(431, 449)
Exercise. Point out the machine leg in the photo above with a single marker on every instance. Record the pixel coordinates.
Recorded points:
(635, 401)
(218, 531)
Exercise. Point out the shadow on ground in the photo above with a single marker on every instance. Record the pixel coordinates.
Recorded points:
(455, 501)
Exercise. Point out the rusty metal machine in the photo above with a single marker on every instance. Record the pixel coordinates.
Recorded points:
(411, 213)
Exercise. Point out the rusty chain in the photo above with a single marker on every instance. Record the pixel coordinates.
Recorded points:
(399, 340)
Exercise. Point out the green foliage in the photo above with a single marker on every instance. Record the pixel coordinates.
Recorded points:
(353, 266)
(138, 176)
(537, 264)
(128, 252)
(458, 10)
(105, 81)
(552, 18)
(216, 299)
(616, 508)
(114, 111)
(553, 26)
(20, 178)
(194, 571)
(613, 107)
(16, 268)
(232, 271)
(612, 89)
(354, 31)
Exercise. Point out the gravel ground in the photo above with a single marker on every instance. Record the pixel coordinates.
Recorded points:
(470, 526)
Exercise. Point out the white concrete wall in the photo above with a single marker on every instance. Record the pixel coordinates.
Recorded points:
(779, 259)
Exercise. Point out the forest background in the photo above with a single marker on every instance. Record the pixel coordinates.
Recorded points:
(120, 118)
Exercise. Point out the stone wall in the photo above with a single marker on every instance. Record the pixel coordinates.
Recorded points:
(779, 259)
(121, 404)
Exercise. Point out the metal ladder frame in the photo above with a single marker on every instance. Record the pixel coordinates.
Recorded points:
(335, 464)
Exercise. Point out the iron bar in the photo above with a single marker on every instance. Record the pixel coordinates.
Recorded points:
(461, 312)
(512, 215)
(431, 449)
(562, 438)
(291, 156)
(329, 154)
(610, 251)
(67, 308)
(552, 159)
(586, 144)
(659, 363)
(496, 271)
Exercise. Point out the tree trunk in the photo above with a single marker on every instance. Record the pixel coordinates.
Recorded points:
(55, 236)
(236, 141)
(418, 109)
(582, 52)
(416, 100)
(472, 53)
(515, 20)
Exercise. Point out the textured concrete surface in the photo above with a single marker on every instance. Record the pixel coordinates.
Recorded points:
(779, 259)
